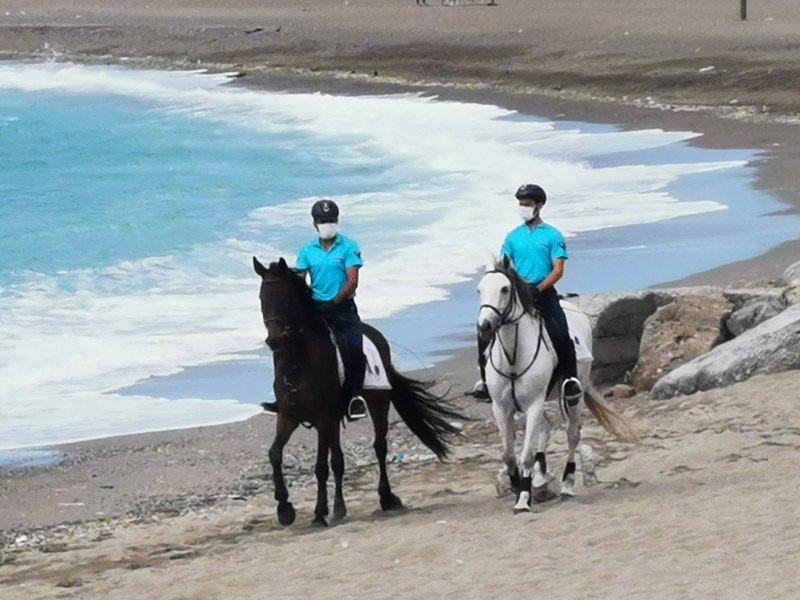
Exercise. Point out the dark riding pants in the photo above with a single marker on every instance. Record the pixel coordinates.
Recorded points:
(344, 319)
(555, 321)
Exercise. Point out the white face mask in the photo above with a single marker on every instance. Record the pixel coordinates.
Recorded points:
(327, 231)
(528, 213)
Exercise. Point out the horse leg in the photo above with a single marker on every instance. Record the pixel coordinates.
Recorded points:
(337, 465)
(504, 418)
(284, 429)
(573, 439)
(379, 412)
(541, 434)
(321, 471)
(531, 476)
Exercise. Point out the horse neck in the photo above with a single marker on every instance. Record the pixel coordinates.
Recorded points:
(309, 344)
(519, 323)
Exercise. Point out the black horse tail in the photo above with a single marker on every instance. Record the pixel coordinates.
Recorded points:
(428, 416)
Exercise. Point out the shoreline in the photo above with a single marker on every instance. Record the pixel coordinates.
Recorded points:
(715, 134)
(306, 63)
(189, 512)
(715, 131)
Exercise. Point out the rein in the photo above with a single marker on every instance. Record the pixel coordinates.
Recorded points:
(288, 330)
(511, 355)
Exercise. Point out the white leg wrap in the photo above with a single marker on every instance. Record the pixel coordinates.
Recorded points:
(568, 486)
(523, 503)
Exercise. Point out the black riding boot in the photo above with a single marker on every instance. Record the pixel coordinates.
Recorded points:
(557, 328)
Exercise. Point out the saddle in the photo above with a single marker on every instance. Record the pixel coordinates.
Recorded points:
(375, 376)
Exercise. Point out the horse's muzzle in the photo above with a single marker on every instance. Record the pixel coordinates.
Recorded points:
(274, 344)
(485, 330)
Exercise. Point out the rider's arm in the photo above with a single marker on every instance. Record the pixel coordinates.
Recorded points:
(556, 274)
(301, 264)
(349, 287)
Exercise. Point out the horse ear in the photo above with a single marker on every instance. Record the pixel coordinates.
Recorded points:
(282, 267)
(260, 269)
(506, 261)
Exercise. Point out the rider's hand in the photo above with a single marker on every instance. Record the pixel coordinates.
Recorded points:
(535, 295)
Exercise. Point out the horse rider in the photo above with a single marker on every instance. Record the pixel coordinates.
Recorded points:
(538, 252)
(332, 261)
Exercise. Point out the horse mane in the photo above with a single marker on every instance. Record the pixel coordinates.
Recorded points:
(304, 292)
(520, 285)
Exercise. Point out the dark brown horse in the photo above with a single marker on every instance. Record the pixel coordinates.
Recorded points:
(307, 390)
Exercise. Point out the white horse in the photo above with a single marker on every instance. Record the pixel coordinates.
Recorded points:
(520, 365)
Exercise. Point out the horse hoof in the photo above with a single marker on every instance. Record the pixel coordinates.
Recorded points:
(391, 502)
(523, 503)
(339, 512)
(319, 521)
(568, 487)
(286, 514)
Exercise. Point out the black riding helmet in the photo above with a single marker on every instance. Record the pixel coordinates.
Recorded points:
(531, 191)
(325, 211)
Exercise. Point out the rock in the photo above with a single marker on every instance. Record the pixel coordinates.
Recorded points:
(677, 333)
(620, 390)
(792, 295)
(69, 582)
(791, 276)
(618, 323)
(771, 347)
(754, 312)
(741, 296)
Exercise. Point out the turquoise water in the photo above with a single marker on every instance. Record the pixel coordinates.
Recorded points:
(89, 181)
(131, 203)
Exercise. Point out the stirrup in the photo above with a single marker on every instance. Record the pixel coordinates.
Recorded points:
(356, 408)
(479, 391)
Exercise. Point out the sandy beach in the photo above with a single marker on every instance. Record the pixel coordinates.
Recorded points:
(704, 508)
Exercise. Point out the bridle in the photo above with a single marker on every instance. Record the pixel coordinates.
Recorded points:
(511, 354)
(512, 301)
(289, 331)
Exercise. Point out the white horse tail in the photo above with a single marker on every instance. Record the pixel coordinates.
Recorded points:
(613, 422)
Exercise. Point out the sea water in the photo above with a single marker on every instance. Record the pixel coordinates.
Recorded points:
(132, 201)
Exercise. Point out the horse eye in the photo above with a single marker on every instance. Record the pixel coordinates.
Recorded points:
(504, 289)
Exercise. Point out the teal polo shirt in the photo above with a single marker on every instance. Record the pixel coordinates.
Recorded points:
(328, 268)
(533, 250)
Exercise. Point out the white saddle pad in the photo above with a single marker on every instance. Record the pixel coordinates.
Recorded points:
(582, 353)
(375, 377)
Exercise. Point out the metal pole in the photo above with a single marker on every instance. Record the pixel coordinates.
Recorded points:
(743, 10)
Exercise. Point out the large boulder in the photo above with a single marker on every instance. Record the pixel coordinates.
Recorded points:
(792, 295)
(617, 325)
(754, 312)
(791, 276)
(771, 347)
(676, 333)
(741, 296)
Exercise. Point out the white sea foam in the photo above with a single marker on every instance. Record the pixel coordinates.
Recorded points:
(454, 167)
